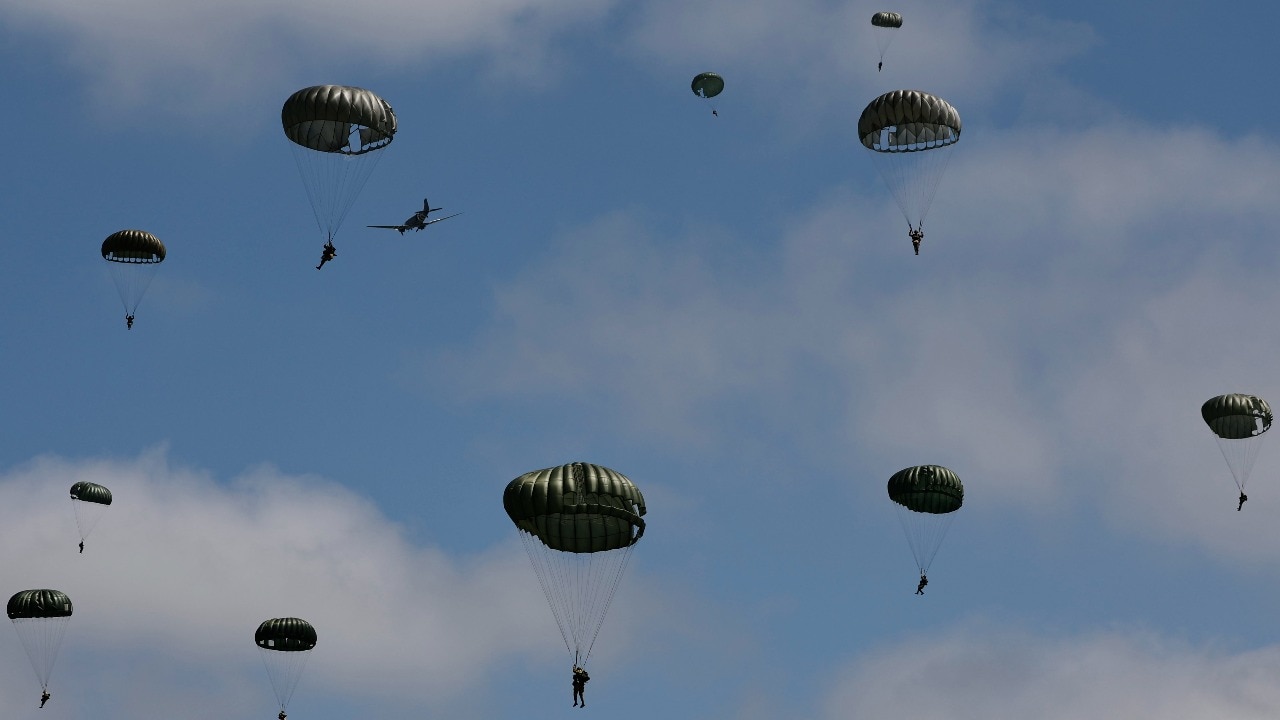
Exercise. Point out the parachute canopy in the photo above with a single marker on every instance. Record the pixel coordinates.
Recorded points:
(40, 617)
(133, 246)
(336, 132)
(707, 85)
(887, 20)
(1237, 422)
(134, 256)
(285, 635)
(36, 604)
(285, 644)
(91, 493)
(908, 132)
(926, 496)
(579, 523)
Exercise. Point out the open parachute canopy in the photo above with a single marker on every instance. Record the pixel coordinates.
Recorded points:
(707, 85)
(286, 644)
(336, 132)
(926, 496)
(1237, 422)
(40, 617)
(579, 523)
(887, 20)
(88, 500)
(133, 256)
(908, 133)
(91, 493)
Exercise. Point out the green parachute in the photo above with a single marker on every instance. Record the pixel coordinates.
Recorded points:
(885, 23)
(579, 524)
(337, 134)
(40, 617)
(88, 500)
(707, 85)
(133, 257)
(909, 134)
(285, 644)
(926, 497)
(1238, 422)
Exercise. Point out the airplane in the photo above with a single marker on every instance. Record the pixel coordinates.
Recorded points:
(418, 221)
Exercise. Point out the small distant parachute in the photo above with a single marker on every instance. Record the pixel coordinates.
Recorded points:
(579, 523)
(40, 617)
(337, 134)
(133, 257)
(909, 134)
(707, 85)
(925, 496)
(1238, 422)
(285, 645)
(88, 500)
(885, 24)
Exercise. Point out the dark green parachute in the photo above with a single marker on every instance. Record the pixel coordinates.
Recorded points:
(285, 645)
(40, 617)
(336, 132)
(885, 24)
(706, 86)
(1238, 422)
(887, 20)
(91, 493)
(926, 496)
(134, 256)
(39, 604)
(909, 133)
(88, 500)
(579, 523)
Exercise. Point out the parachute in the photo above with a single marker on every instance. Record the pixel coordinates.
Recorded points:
(707, 85)
(909, 133)
(1238, 422)
(133, 257)
(40, 617)
(885, 24)
(926, 496)
(579, 524)
(285, 644)
(88, 500)
(336, 133)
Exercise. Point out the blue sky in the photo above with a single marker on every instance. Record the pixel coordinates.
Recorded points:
(726, 309)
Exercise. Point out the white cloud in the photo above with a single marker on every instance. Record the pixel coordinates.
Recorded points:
(1077, 291)
(995, 673)
(181, 569)
(226, 55)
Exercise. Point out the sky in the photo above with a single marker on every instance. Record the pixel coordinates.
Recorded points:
(725, 308)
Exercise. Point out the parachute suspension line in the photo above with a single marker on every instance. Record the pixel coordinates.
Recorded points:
(333, 181)
(87, 516)
(131, 281)
(284, 670)
(925, 533)
(913, 178)
(579, 587)
(537, 557)
(1240, 454)
(41, 638)
(608, 599)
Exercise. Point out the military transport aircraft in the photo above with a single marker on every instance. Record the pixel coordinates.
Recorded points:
(419, 219)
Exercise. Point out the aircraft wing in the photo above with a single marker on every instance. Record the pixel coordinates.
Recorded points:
(401, 228)
(436, 220)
